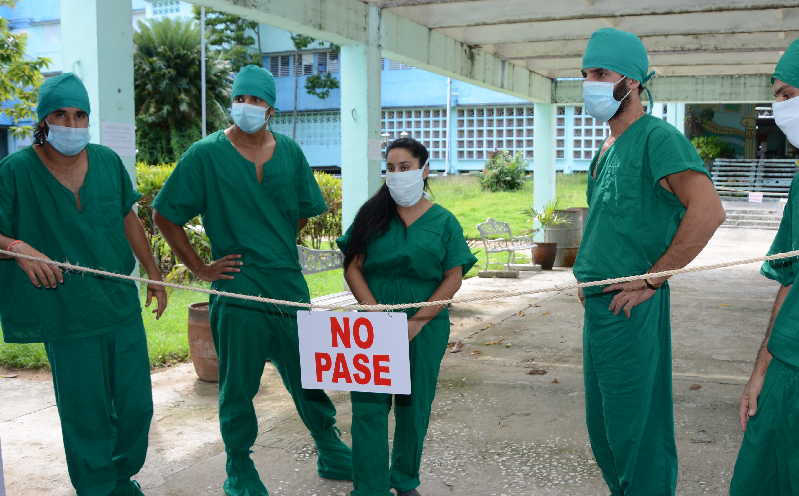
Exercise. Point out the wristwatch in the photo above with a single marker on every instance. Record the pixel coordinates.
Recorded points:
(650, 285)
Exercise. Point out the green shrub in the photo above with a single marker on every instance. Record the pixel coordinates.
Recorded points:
(149, 180)
(325, 227)
(503, 172)
(711, 148)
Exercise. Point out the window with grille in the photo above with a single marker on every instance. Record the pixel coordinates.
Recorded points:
(327, 62)
(427, 125)
(165, 7)
(313, 128)
(280, 65)
(483, 130)
(304, 65)
(588, 135)
(397, 66)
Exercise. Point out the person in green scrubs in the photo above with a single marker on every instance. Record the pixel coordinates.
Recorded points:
(768, 461)
(652, 207)
(68, 200)
(254, 191)
(402, 248)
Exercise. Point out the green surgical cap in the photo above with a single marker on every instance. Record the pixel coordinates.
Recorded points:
(618, 51)
(787, 69)
(64, 90)
(256, 81)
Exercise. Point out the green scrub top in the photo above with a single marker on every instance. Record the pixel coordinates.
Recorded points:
(784, 342)
(407, 265)
(631, 218)
(242, 216)
(39, 210)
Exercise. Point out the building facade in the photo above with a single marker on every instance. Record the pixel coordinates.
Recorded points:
(461, 124)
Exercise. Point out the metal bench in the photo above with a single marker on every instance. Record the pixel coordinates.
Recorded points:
(498, 238)
(314, 261)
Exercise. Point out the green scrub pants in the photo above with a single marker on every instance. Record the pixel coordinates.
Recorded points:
(245, 338)
(104, 398)
(629, 409)
(372, 475)
(768, 462)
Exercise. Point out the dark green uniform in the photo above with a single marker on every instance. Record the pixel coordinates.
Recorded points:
(258, 221)
(627, 362)
(768, 462)
(401, 266)
(91, 326)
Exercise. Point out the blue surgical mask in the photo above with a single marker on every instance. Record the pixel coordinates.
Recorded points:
(599, 101)
(68, 141)
(249, 118)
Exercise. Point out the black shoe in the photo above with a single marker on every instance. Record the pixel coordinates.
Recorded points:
(412, 492)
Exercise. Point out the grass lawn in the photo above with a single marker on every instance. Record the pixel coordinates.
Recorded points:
(464, 198)
(166, 337)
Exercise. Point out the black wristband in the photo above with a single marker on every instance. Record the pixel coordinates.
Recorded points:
(650, 286)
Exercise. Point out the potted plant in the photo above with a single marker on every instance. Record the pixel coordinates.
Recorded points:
(545, 252)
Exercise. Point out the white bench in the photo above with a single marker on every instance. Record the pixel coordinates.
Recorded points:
(314, 261)
(498, 238)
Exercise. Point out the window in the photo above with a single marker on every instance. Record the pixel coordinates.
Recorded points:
(397, 66)
(427, 125)
(313, 128)
(482, 130)
(588, 135)
(304, 64)
(327, 62)
(279, 65)
(165, 7)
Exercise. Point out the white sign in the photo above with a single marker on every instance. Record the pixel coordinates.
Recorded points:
(119, 137)
(353, 351)
(755, 197)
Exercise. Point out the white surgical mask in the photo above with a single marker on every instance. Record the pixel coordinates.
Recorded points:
(599, 101)
(69, 141)
(786, 116)
(249, 118)
(407, 187)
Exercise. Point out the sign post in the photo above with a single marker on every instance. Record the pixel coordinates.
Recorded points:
(354, 351)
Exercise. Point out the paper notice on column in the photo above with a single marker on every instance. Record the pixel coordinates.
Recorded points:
(119, 137)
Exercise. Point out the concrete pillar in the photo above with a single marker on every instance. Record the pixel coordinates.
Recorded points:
(568, 137)
(543, 158)
(97, 45)
(360, 120)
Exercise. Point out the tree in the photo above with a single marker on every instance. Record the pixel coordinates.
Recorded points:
(166, 63)
(235, 39)
(19, 78)
(318, 85)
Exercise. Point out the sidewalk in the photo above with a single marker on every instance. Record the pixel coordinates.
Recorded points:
(508, 418)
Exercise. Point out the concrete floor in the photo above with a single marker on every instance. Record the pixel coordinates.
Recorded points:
(500, 427)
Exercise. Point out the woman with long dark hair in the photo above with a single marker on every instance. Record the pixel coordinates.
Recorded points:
(402, 248)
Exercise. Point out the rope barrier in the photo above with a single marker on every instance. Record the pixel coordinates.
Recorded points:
(403, 306)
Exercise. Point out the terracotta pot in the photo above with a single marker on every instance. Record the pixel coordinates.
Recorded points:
(544, 255)
(201, 343)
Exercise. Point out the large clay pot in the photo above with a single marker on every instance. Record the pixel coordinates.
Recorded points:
(201, 343)
(544, 255)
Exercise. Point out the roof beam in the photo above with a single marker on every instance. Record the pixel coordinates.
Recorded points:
(654, 44)
(345, 21)
(688, 89)
(439, 14)
(665, 63)
(731, 22)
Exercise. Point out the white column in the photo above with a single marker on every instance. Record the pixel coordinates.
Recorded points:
(97, 45)
(544, 158)
(360, 120)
